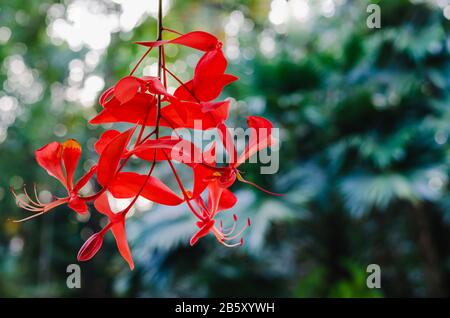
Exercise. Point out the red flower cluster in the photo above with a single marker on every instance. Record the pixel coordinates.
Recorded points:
(145, 102)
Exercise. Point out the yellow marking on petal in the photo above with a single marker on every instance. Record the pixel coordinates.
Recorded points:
(217, 174)
(71, 144)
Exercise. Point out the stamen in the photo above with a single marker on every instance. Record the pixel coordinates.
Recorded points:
(30, 208)
(231, 229)
(28, 196)
(28, 218)
(35, 206)
(27, 205)
(228, 238)
(35, 193)
(232, 245)
(240, 178)
(41, 210)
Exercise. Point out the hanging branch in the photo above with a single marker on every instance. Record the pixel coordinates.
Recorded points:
(138, 101)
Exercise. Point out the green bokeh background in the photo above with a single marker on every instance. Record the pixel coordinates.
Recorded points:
(364, 117)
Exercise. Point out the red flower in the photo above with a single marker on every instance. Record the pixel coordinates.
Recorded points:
(260, 138)
(128, 185)
(167, 146)
(185, 114)
(117, 226)
(132, 100)
(219, 199)
(111, 155)
(209, 78)
(145, 102)
(60, 161)
(133, 111)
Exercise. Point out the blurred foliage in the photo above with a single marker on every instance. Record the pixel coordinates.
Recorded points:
(364, 166)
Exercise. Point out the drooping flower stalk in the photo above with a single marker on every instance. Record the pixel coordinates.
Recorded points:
(145, 102)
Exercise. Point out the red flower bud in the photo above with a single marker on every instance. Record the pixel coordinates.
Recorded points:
(90, 247)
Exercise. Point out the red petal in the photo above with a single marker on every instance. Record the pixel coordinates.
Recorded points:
(132, 112)
(186, 91)
(210, 64)
(127, 88)
(71, 154)
(214, 194)
(104, 117)
(90, 247)
(154, 149)
(227, 200)
(128, 184)
(119, 233)
(218, 111)
(209, 78)
(128, 115)
(105, 139)
(118, 227)
(106, 95)
(228, 142)
(209, 155)
(202, 177)
(110, 157)
(198, 116)
(101, 204)
(78, 205)
(202, 232)
(155, 86)
(198, 40)
(209, 88)
(260, 137)
(84, 179)
(49, 157)
(176, 149)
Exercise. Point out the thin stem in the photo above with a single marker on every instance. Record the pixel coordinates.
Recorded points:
(147, 137)
(127, 209)
(164, 66)
(141, 132)
(240, 178)
(172, 31)
(183, 190)
(160, 64)
(140, 60)
(171, 125)
(103, 189)
(154, 131)
(93, 196)
(182, 84)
